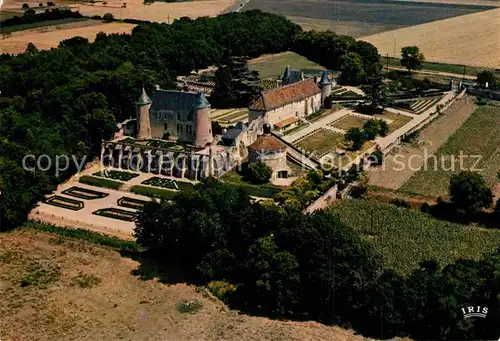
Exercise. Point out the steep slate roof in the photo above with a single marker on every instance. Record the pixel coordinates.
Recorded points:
(287, 94)
(178, 101)
(324, 78)
(267, 143)
(144, 98)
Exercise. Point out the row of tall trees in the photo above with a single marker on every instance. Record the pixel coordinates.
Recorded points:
(284, 263)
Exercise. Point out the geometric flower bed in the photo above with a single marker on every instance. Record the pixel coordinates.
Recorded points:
(116, 175)
(167, 183)
(70, 204)
(116, 213)
(84, 193)
(132, 203)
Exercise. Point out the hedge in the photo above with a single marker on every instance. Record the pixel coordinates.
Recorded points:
(153, 192)
(48, 15)
(100, 182)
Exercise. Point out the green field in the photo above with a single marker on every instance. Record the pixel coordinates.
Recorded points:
(440, 67)
(11, 29)
(406, 237)
(478, 138)
(321, 141)
(274, 65)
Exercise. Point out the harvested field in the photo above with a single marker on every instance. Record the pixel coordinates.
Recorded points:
(50, 36)
(399, 166)
(74, 290)
(273, 65)
(353, 17)
(158, 11)
(479, 141)
(449, 40)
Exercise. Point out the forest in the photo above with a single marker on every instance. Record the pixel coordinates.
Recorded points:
(273, 260)
(66, 100)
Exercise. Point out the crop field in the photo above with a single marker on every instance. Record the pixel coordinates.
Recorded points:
(448, 40)
(406, 237)
(50, 36)
(273, 65)
(362, 17)
(479, 141)
(157, 11)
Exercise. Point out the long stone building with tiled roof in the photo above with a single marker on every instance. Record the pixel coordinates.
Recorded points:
(283, 107)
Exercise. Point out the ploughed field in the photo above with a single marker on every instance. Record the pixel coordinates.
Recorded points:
(362, 17)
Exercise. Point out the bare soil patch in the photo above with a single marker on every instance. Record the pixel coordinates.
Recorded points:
(63, 289)
(400, 165)
(449, 40)
(50, 36)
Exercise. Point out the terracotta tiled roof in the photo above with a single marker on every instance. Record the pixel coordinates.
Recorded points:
(267, 143)
(286, 122)
(287, 94)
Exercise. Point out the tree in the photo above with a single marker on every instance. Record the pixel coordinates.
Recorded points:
(235, 85)
(25, 6)
(259, 172)
(356, 137)
(352, 69)
(376, 91)
(108, 17)
(412, 58)
(469, 192)
(29, 11)
(383, 127)
(50, 4)
(371, 129)
(486, 77)
(40, 4)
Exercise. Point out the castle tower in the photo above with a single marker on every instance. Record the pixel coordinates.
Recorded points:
(143, 124)
(203, 121)
(326, 86)
(285, 76)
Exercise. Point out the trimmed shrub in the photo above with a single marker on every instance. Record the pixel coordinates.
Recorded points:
(100, 182)
(153, 192)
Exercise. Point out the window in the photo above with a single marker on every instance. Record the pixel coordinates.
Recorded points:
(165, 126)
(178, 129)
(178, 116)
(189, 130)
(190, 116)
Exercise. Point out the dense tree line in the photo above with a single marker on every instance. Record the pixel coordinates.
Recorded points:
(284, 263)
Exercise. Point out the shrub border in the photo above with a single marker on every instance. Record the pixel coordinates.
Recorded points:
(103, 212)
(70, 190)
(50, 201)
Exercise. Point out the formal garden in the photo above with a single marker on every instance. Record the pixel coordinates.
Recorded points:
(168, 183)
(84, 193)
(116, 213)
(100, 182)
(116, 175)
(67, 203)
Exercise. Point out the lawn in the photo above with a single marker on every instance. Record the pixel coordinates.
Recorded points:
(320, 142)
(274, 65)
(478, 139)
(397, 121)
(100, 182)
(406, 237)
(236, 179)
(349, 121)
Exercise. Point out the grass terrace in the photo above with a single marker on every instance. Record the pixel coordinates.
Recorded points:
(168, 183)
(100, 182)
(321, 142)
(116, 175)
(274, 65)
(230, 116)
(349, 121)
(406, 237)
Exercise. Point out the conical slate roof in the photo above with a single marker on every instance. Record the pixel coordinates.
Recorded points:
(201, 101)
(324, 78)
(286, 74)
(144, 98)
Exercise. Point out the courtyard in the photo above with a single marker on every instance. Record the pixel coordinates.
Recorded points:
(321, 142)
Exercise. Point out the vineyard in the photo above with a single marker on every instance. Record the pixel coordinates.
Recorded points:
(477, 145)
(406, 237)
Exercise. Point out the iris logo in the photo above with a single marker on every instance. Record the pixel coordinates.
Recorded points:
(476, 311)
